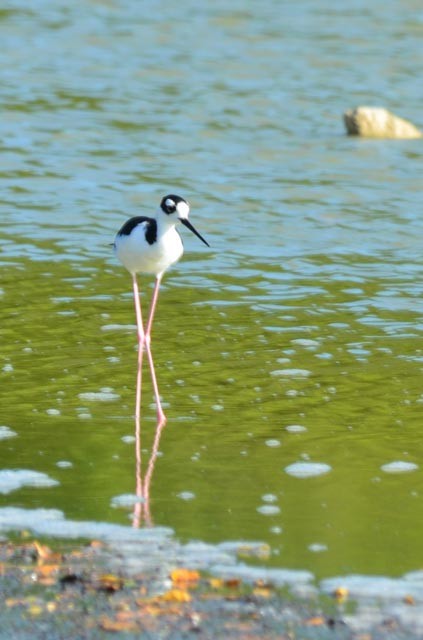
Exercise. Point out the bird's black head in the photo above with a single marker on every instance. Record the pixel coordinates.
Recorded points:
(169, 204)
(175, 204)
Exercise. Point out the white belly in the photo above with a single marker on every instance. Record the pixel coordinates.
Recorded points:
(138, 256)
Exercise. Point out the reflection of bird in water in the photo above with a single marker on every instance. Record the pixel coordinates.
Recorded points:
(152, 245)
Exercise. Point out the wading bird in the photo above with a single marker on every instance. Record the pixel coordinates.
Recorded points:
(152, 245)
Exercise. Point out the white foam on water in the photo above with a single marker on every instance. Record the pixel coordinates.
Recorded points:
(126, 500)
(291, 373)
(268, 509)
(399, 466)
(186, 495)
(100, 396)
(307, 469)
(119, 327)
(272, 442)
(6, 432)
(295, 428)
(13, 479)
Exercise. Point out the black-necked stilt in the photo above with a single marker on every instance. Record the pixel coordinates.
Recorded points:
(152, 245)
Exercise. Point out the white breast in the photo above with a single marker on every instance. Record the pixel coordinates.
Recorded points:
(138, 256)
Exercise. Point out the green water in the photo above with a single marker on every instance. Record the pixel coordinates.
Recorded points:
(307, 310)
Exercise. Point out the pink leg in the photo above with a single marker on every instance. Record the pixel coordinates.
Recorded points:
(161, 418)
(141, 341)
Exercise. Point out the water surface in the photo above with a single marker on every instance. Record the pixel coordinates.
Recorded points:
(297, 338)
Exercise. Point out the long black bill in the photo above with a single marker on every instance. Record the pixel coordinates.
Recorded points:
(187, 224)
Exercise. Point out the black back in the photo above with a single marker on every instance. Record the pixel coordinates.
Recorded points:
(150, 228)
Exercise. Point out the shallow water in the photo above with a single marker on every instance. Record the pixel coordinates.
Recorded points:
(295, 339)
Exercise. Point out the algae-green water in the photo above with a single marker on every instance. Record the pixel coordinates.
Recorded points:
(296, 338)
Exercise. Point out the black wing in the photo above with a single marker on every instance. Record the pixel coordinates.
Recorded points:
(150, 228)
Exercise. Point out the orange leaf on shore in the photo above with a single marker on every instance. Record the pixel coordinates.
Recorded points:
(110, 582)
(341, 594)
(316, 621)
(96, 544)
(232, 582)
(108, 624)
(46, 570)
(176, 595)
(35, 610)
(262, 592)
(43, 551)
(184, 576)
(216, 583)
(220, 583)
(14, 602)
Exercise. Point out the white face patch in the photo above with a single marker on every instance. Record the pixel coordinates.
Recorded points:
(169, 203)
(183, 209)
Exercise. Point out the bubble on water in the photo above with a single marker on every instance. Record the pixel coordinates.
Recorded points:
(399, 466)
(269, 497)
(324, 356)
(291, 373)
(217, 407)
(295, 428)
(128, 439)
(53, 412)
(64, 464)
(186, 495)
(119, 327)
(307, 469)
(316, 547)
(276, 530)
(268, 509)
(272, 442)
(13, 479)
(305, 342)
(84, 415)
(8, 368)
(101, 396)
(126, 500)
(5, 433)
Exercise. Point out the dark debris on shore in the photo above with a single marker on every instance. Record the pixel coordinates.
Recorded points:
(76, 593)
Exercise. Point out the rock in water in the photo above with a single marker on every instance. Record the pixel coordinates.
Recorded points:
(377, 122)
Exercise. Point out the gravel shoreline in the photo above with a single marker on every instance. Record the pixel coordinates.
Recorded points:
(100, 589)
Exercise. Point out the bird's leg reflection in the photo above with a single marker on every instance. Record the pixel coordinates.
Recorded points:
(138, 477)
(142, 505)
(150, 469)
